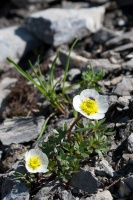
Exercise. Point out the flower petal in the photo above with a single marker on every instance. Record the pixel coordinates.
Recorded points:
(89, 93)
(76, 103)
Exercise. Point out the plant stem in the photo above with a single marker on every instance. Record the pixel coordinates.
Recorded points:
(72, 125)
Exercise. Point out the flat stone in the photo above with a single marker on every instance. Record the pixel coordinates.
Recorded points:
(19, 130)
(57, 26)
(85, 181)
(15, 42)
(124, 87)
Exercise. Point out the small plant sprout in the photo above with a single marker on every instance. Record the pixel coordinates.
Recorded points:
(91, 104)
(90, 78)
(36, 161)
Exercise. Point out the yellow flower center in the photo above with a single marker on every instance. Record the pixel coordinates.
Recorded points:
(34, 162)
(89, 106)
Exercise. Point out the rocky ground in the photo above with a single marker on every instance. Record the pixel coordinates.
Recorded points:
(29, 28)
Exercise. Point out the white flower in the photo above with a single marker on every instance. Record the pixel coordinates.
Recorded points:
(36, 161)
(91, 104)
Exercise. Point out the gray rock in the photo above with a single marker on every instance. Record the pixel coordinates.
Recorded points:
(124, 190)
(15, 42)
(75, 60)
(103, 64)
(85, 181)
(104, 34)
(124, 47)
(46, 192)
(75, 5)
(5, 86)
(56, 26)
(73, 74)
(15, 152)
(124, 101)
(128, 36)
(128, 65)
(107, 168)
(65, 195)
(105, 195)
(124, 87)
(14, 190)
(130, 143)
(19, 130)
(129, 181)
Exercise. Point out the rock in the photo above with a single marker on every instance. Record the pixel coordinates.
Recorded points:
(130, 143)
(124, 190)
(103, 64)
(73, 74)
(128, 36)
(85, 181)
(128, 65)
(65, 195)
(74, 5)
(124, 101)
(57, 26)
(124, 87)
(22, 129)
(129, 181)
(104, 34)
(5, 85)
(14, 153)
(15, 42)
(75, 60)
(116, 80)
(105, 195)
(124, 47)
(14, 190)
(46, 192)
(107, 168)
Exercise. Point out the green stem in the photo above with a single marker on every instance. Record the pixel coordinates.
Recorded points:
(72, 125)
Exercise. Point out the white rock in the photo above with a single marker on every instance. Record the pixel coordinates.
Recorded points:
(57, 26)
(130, 143)
(105, 195)
(15, 42)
